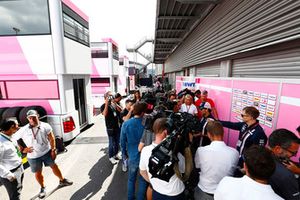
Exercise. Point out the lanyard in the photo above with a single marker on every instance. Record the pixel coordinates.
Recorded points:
(35, 133)
(188, 108)
(17, 148)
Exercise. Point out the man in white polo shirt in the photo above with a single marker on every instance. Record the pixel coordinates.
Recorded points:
(259, 166)
(215, 161)
(172, 190)
(11, 169)
(40, 148)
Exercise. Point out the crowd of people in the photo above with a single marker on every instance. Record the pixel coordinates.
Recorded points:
(207, 168)
(251, 170)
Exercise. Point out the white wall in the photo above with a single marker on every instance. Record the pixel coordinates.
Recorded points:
(77, 58)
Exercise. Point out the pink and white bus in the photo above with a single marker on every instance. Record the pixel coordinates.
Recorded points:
(45, 63)
(109, 72)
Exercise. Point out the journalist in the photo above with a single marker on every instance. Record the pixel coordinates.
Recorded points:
(162, 190)
(284, 144)
(111, 113)
(131, 133)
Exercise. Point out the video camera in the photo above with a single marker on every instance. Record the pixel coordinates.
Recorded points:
(148, 119)
(110, 97)
(164, 155)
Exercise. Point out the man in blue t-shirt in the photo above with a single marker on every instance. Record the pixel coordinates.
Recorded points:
(131, 133)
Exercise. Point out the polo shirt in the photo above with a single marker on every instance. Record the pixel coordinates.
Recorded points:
(215, 161)
(244, 188)
(36, 137)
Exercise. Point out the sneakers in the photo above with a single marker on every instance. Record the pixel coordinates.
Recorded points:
(42, 193)
(65, 182)
(113, 160)
(125, 165)
(118, 156)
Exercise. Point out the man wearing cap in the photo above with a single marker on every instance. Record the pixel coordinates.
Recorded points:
(204, 98)
(201, 139)
(40, 148)
(11, 168)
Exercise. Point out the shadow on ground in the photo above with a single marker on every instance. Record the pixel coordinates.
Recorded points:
(98, 173)
(118, 187)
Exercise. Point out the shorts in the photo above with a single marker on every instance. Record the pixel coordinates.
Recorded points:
(36, 164)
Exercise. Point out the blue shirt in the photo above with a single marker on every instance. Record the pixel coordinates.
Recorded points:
(131, 133)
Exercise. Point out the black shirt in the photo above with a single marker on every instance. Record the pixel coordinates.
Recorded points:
(123, 114)
(284, 183)
(111, 119)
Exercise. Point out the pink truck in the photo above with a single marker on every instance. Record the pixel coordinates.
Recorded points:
(45, 64)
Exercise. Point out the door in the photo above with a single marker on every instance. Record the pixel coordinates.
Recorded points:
(80, 104)
(116, 84)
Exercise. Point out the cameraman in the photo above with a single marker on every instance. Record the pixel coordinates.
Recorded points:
(173, 189)
(110, 112)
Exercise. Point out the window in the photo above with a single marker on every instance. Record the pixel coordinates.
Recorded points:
(2, 90)
(115, 52)
(99, 54)
(24, 17)
(34, 89)
(99, 50)
(121, 61)
(103, 81)
(75, 27)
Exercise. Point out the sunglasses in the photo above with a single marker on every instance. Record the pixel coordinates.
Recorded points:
(293, 153)
(244, 115)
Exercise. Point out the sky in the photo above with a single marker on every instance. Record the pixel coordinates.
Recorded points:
(125, 21)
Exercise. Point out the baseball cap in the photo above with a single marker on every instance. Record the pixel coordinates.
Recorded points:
(205, 105)
(32, 113)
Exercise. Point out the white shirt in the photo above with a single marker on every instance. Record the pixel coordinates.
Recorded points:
(244, 188)
(215, 161)
(172, 188)
(192, 109)
(9, 158)
(36, 137)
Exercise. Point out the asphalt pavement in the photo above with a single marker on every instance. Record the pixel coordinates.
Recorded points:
(86, 164)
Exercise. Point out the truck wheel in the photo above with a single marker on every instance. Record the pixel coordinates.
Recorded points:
(23, 118)
(1, 113)
(12, 112)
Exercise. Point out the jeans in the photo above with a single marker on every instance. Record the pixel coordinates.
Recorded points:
(158, 196)
(133, 172)
(113, 142)
(199, 194)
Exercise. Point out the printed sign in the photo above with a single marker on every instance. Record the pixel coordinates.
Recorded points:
(264, 102)
(183, 82)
